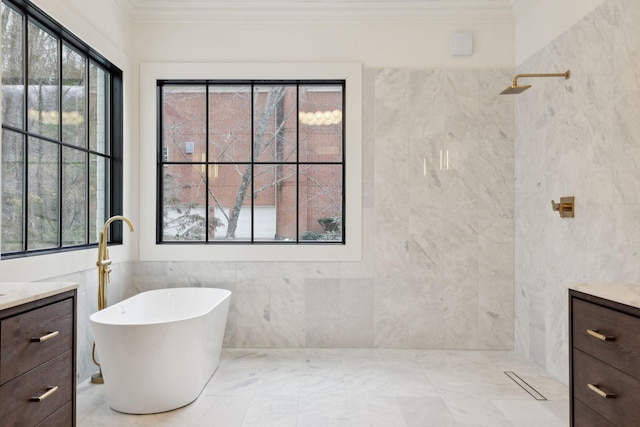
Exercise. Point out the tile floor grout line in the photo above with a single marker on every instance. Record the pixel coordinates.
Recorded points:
(525, 386)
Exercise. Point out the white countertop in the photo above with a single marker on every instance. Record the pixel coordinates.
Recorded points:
(16, 293)
(624, 293)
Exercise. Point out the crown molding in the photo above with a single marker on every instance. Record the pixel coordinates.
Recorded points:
(280, 12)
(127, 6)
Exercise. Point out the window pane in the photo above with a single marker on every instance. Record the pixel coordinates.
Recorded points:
(229, 201)
(321, 202)
(12, 68)
(44, 111)
(320, 117)
(185, 123)
(12, 191)
(98, 109)
(73, 97)
(284, 191)
(98, 190)
(43, 194)
(230, 123)
(74, 199)
(275, 109)
(184, 201)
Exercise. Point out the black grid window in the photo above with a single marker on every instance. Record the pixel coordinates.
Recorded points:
(251, 162)
(61, 136)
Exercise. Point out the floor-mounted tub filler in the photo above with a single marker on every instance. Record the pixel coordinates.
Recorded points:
(158, 349)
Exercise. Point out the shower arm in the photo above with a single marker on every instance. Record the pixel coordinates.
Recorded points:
(566, 75)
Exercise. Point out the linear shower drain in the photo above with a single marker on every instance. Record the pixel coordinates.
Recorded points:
(524, 385)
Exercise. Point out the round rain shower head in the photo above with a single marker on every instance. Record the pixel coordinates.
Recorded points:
(514, 90)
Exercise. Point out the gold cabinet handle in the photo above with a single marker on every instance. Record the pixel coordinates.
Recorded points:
(594, 333)
(45, 337)
(50, 390)
(600, 392)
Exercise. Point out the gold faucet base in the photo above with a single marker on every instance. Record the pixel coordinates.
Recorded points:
(97, 378)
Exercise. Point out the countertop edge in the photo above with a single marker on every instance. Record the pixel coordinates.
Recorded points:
(623, 293)
(15, 293)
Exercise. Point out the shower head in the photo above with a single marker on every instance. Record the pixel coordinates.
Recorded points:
(514, 89)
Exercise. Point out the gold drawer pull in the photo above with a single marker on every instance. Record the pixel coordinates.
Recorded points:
(594, 333)
(50, 390)
(45, 337)
(600, 392)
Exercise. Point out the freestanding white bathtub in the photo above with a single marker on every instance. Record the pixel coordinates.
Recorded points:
(159, 348)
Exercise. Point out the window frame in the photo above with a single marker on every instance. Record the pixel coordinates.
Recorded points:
(255, 163)
(151, 73)
(113, 202)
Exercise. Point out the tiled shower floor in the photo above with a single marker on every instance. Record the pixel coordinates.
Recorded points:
(359, 387)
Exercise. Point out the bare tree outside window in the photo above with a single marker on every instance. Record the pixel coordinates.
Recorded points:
(261, 162)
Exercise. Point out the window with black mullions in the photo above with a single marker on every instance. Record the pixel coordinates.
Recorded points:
(251, 161)
(61, 136)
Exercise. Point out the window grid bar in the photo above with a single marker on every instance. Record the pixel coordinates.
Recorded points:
(253, 158)
(160, 164)
(297, 164)
(206, 167)
(344, 163)
(25, 139)
(87, 133)
(60, 150)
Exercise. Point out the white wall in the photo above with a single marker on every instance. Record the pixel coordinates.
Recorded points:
(393, 44)
(538, 22)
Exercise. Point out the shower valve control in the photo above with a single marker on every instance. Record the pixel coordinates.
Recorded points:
(565, 208)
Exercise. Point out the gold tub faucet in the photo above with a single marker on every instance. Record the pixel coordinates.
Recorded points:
(103, 259)
(103, 264)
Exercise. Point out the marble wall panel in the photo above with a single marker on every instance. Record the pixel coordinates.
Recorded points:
(322, 312)
(579, 138)
(495, 308)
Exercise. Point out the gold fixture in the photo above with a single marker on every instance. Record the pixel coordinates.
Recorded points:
(600, 392)
(565, 207)
(48, 336)
(594, 333)
(50, 390)
(103, 264)
(514, 89)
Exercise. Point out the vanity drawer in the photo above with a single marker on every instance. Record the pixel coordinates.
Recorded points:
(584, 416)
(19, 354)
(622, 351)
(18, 409)
(623, 409)
(63, 417)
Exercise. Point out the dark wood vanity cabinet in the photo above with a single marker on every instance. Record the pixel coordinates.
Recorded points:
(38, 362)
(604, 361)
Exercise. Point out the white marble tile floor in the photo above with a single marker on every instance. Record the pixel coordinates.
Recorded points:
(355, 388)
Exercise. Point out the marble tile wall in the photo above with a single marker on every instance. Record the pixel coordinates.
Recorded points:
(437, 269)
(579, 137)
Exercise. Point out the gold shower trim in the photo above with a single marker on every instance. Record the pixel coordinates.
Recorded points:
(515, 89)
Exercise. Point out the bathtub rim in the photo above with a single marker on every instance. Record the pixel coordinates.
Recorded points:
(105, 316)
